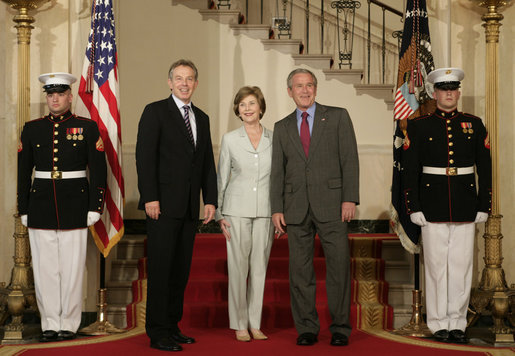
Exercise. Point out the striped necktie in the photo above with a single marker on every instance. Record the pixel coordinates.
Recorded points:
(187, 122)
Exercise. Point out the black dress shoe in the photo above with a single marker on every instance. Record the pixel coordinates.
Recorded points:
(441, 335)
(306, 339)
(49, 335)
(182, 339)
(165, 344)
(339, 340)
(458, 336)
(67, 335)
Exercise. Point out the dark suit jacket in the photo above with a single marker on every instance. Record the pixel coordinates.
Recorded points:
(328, 177)
(170, 169)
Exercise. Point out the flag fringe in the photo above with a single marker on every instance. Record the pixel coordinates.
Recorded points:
(399, 230)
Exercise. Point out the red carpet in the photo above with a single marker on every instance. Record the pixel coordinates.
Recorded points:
(282, 342)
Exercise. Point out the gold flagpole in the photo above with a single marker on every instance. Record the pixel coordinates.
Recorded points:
(493, 292)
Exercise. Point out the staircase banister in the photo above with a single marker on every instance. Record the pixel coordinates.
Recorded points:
(387, 7)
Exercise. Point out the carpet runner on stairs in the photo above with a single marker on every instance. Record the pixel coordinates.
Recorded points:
(205, 300)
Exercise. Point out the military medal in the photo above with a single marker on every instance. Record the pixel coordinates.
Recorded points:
(80, 130)
(74, 137)
(467, 127)
(80, 137)
(68, 137)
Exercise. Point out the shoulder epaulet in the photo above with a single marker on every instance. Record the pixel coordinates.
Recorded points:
(471, 116)
(38, 119)
(421, 117)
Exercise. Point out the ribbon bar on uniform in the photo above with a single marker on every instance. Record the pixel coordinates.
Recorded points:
(60, 174)
(448, 171)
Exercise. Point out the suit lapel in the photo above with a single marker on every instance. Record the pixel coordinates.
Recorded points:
(266, 140)
(199, 123)
(245, 140)
(319, 124)
(293, 132)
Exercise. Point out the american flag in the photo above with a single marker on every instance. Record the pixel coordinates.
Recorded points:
(412, 99)
(99, 100)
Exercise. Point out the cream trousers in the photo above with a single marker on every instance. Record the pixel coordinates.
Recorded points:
(247, 259)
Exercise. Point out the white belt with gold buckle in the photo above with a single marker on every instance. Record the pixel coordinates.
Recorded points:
(448, 171)
(60, 174)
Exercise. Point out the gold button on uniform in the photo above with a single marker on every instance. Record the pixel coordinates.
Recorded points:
(55, 149)
(451, 152)
(449, 128)
(56, 159)
(56, 125)
(451, 161)
(450, 135)
(56, 141)
(451, 144)
(448, 121)
(55, 168)
(56, 133)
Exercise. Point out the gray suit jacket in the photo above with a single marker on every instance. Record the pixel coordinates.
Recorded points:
(324, 180)
(244, 175)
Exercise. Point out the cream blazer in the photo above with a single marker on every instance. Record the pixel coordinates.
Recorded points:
(244, 175)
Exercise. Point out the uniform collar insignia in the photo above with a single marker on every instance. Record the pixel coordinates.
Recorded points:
(446, 114)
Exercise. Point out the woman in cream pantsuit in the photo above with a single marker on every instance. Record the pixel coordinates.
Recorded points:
(244, 211)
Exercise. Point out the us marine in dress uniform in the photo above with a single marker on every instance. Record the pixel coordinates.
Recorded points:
(60, 203)
(444, 151)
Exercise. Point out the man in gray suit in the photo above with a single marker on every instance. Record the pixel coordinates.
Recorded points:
(315, 189)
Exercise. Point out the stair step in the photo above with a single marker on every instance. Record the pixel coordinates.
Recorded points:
(284, 46)
(378, 91)
(117, 315)
(392, 250)
(124, 270)
(275, 315)
(400, 294)
(397, 271)
(319, 61)
(192, 4)
(221, 16)
(259, 32)
(119, 292)
(348, 76)
(401, 315)
(131, 247)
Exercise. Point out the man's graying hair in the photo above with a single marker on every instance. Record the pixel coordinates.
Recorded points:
(297, 71)
(183, 62)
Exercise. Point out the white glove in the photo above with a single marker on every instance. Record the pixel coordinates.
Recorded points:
(481, 217)
(418, 218)
(93, 217)
(24, 220)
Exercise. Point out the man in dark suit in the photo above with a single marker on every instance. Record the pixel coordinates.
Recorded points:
(174, 159)
(315, 189)
(59, 203)
(443, 151)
